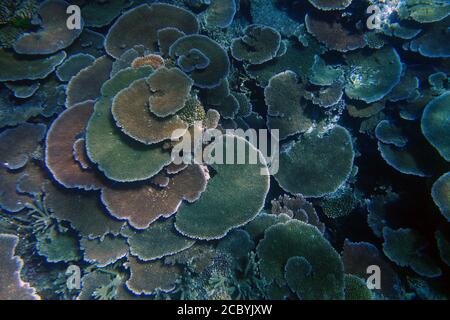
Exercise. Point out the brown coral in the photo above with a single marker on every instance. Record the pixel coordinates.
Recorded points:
(153, 60)
(59, 157)
(132, 115)
(333, 33)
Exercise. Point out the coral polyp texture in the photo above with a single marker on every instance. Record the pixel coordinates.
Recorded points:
(225, 149)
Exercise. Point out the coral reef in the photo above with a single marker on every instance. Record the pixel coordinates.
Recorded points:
(225, 149)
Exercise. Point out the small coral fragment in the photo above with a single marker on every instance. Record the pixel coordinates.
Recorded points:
(73, 65)
(57, 246)
(103, 252)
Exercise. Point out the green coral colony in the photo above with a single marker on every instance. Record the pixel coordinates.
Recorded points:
(87, 122)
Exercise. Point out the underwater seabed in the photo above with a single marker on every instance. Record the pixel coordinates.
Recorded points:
(93, 206)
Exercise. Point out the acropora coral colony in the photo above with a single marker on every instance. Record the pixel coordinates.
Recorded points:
(358, 91)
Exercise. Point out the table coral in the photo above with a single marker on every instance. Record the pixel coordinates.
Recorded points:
(140, 25)
(301, 163)
(334, 34)
(132, 115)
(407, 248)
(18, 144)
(12, 287)
(159, 240)
(258, 45)
(169, 89)
(220, 13)
(17, 68)
(53, 35)
(440, 193)
(73, 65)
(219, 63)
(58, 153)
(327, 5)
(293, 246)
(197, 221)
(372, 78)
(436, 124)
